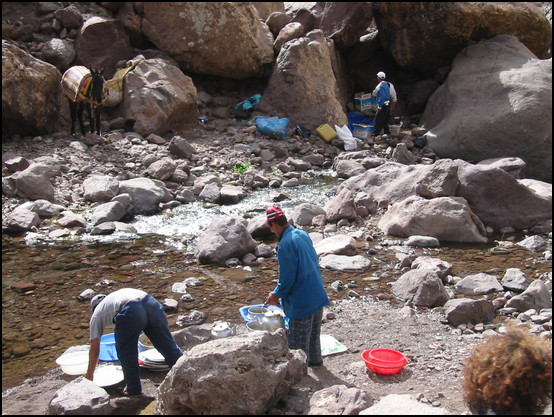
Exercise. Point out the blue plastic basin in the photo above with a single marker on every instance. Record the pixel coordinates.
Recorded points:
(108, 353)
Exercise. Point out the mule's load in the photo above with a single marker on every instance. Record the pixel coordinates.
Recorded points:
(84, 88)
(76, 82)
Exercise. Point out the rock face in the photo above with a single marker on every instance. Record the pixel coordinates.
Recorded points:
(35, 80)
(295, 89)
(468, 121)
(159, 97)
(426, 36)
(199, 35)
(243, 375)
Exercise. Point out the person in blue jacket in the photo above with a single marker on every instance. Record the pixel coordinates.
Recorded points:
(386, 97)
(300, 286)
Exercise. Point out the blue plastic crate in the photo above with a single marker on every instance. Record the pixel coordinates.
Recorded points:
(362, 131)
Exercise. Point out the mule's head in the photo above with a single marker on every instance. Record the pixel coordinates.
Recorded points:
(98, 86)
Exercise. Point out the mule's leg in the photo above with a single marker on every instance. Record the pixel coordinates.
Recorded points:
(90, 112)
(97, 114)
(80, 108)
(73, 111)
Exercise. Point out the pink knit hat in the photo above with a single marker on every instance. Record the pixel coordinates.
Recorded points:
(273, 213)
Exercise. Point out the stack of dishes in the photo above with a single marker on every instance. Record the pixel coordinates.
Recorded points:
(153, 360)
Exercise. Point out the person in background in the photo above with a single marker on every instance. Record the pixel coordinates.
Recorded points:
(300, 286)
(131, 311)
(509, 374)
(386, 100)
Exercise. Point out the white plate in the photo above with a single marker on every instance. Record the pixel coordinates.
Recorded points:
(152, 355)
(106, 376)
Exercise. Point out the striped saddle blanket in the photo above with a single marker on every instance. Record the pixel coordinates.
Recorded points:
(76, 82)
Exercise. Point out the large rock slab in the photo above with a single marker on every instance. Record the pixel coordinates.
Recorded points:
(496, 94)
(243, 375)
(500, 200)
(445, 218)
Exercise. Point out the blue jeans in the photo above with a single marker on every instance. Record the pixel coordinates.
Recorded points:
(304, 334)
(136, 316)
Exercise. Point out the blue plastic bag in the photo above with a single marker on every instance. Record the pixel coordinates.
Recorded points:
(249, 103)
(272, 126)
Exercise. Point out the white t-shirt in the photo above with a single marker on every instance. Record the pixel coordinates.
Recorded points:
(104, 313)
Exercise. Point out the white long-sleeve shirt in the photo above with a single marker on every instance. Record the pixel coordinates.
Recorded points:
(393, 97)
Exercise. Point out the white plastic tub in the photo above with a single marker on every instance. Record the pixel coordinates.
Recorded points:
(74, 363)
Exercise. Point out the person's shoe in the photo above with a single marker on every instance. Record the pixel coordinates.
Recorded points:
(315, 364)
(126, 393)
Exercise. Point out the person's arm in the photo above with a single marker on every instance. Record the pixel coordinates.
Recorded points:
(272, 299)
(93, 355)
(393, 97)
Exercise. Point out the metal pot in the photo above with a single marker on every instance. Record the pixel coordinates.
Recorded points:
(256, 313)
(272, 321)
(221, 330)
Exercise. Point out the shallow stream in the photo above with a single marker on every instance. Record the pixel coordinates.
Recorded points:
(43, 317)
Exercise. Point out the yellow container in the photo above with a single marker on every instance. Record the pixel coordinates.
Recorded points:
(326, 132)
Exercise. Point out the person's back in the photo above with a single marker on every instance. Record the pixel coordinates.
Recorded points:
(309, 293)
(383, 94)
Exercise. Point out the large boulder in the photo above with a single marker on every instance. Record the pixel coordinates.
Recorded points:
(146, 196)
(465, 310)
(499, 199)
(159, 98)
(242, 375)
(102, 43)
(199, 35)
(79, 397)
(31, 93)
(225, 238)
(536, 296)
(295, 89)
(426, 36)
(421, 287)
(448, 219)
(496, 102)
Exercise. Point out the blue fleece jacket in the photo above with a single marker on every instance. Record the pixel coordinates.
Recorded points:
(300, 284)
(383, 94)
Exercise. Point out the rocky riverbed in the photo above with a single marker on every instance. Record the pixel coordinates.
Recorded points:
(367, 317)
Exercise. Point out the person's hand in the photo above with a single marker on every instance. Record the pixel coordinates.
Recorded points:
(272, 299)
(89, 376)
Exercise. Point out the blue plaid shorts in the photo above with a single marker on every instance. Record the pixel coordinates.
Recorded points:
(304, 334)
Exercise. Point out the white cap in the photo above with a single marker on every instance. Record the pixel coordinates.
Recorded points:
(96, 300)
(381, 75)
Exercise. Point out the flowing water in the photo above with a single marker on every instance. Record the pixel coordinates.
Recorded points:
(42, 278)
